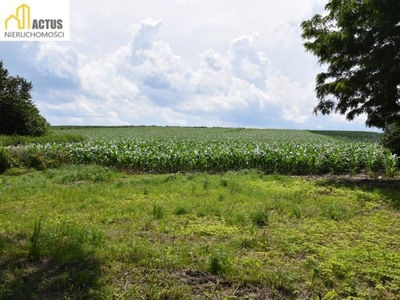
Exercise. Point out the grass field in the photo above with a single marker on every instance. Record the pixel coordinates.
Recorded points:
(93, 232)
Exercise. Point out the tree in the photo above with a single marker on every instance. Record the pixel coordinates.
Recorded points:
(18, 113)
(359, 41)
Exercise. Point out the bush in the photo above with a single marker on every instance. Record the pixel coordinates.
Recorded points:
(391, 138)
(5, 160)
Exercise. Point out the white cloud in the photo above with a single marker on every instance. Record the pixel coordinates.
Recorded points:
(247, 62)
(296, 100)
(145, 79)
(59, 61)
(144, 34)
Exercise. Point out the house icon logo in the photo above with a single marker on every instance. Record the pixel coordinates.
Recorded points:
(34, 20)
(22, 17)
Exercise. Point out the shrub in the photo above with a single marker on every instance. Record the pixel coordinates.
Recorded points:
(5, 160)
(391, 138)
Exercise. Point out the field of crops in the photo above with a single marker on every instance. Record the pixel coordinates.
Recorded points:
(172, 149)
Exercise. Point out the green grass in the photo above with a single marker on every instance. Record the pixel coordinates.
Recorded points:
(89, 232)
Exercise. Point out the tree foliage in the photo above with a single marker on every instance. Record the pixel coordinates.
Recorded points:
(359, 41)
(391, 138)
(18, 113)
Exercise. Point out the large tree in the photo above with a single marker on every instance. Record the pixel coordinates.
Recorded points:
(359, 43)
(18, 113)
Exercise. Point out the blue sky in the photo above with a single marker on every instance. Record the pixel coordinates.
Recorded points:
(178, 62)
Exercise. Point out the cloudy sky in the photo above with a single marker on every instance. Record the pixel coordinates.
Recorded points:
(236, 63)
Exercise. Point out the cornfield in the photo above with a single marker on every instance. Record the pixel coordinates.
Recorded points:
(217, 150)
